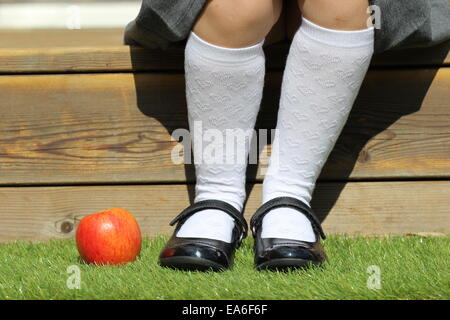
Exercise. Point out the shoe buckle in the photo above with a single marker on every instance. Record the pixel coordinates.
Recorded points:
(254, 227)
(241, 238)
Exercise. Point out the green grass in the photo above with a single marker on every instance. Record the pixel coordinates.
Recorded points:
(411, 268)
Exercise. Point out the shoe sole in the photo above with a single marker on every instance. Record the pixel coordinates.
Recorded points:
(191, 264)
(285, 264)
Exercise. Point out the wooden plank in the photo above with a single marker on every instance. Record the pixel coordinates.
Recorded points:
(68, 14)
(367, 208)
(124, 59)
(59, 38)
(104, 59)
(89, 39)
(106, 128)
(107, 59)
(96, 50)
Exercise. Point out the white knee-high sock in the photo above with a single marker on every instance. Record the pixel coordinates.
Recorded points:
(324, 72)
(224, 90)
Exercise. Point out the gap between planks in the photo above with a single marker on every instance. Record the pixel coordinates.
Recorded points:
(365, 208)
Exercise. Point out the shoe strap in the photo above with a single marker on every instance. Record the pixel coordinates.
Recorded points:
(291, 202)
(215, 204)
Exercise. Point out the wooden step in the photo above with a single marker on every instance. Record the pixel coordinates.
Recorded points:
(86, 125)
(108, 128)
(107, 57)
(88, 39)
(366, 208)
(47, 38)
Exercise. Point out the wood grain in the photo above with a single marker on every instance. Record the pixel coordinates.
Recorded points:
(107, 128)
(45, 38)
(101, 50)
(62, 51)
(367, 208)
(105, 59)
(94, 125)
(97, 50)
(96, 38)
(97, 58)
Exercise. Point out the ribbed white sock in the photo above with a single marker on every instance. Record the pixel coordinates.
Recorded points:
(223, 90)
(324, 72)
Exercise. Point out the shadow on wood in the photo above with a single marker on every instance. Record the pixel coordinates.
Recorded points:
(357, 139)
(378, 103)
(146, 106)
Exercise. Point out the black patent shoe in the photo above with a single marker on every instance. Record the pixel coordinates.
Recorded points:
(277, 253)
(200, 253)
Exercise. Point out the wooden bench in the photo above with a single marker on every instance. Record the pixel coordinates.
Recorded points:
(86, 125)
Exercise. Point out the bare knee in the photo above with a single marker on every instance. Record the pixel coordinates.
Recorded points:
(237, 23)
(339, 15)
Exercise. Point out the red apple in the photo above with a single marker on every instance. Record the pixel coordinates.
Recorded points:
(109, 237)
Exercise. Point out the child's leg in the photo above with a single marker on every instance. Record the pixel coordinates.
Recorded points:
(225, 67)
(323, 74)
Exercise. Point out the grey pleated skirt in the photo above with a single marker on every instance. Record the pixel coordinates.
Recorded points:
(401, 23)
